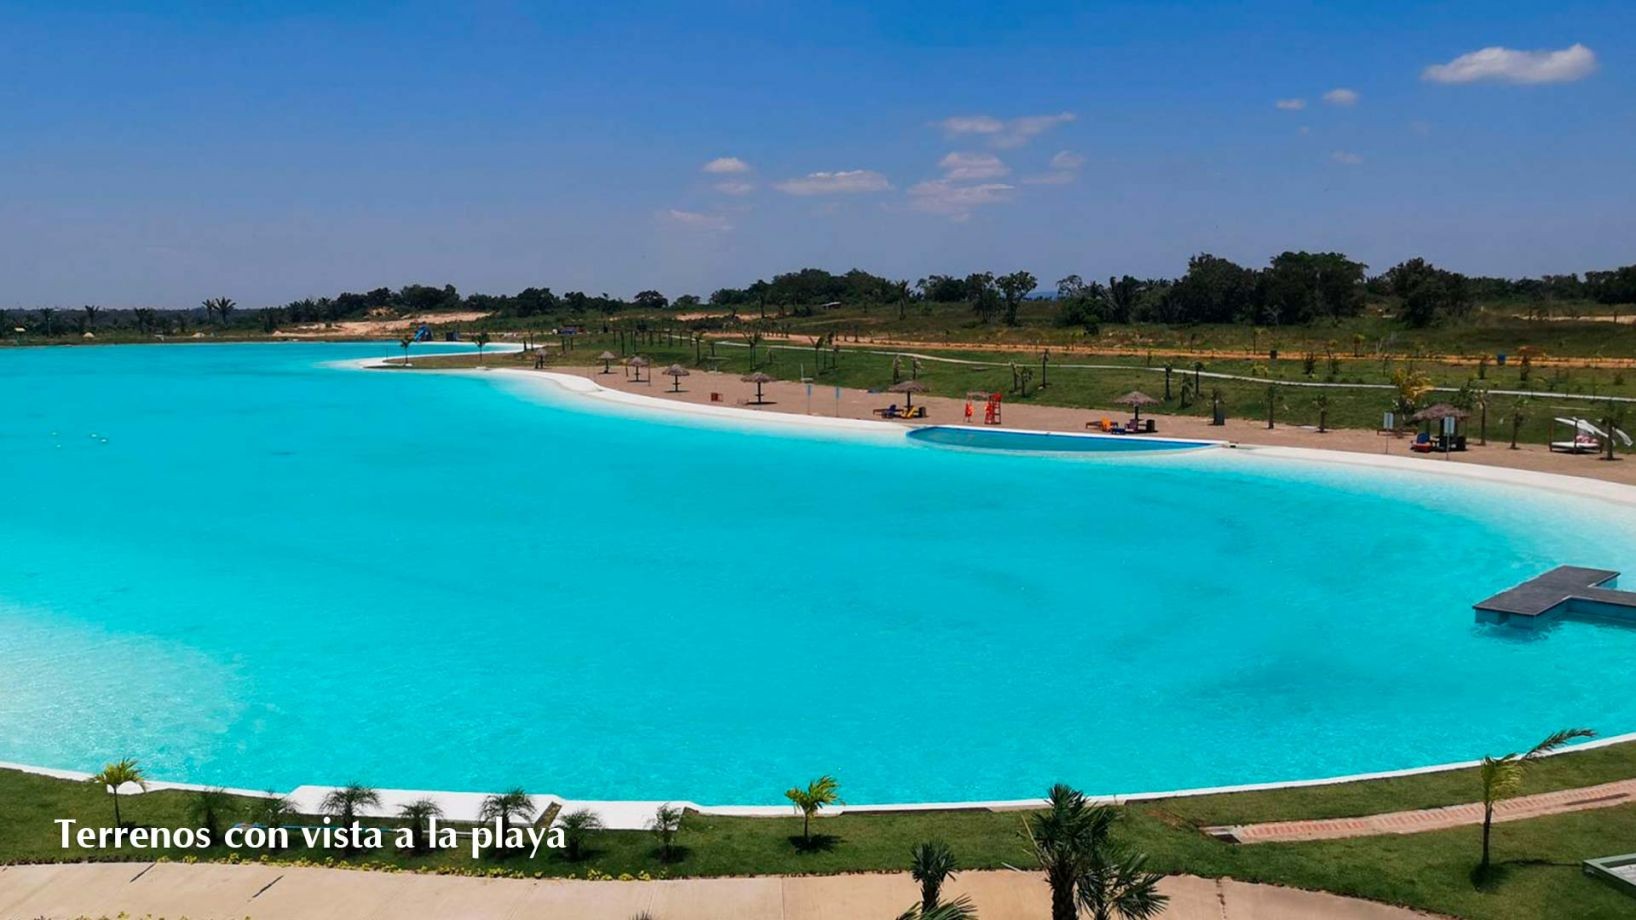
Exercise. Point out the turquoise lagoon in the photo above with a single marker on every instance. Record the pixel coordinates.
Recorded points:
(248, 566)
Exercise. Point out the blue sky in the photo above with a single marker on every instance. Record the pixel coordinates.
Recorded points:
(161, 153)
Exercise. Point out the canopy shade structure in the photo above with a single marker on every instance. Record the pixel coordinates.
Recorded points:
(1135, 399)
(607, 358)
(676, 372)
(908, 388)
(1439, 411)
(758, 378)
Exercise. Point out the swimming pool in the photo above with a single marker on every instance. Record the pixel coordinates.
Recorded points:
(246, 566)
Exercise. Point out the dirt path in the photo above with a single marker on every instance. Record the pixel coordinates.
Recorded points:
(1560, 802)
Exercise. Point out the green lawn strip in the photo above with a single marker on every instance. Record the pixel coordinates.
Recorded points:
(1429, 870)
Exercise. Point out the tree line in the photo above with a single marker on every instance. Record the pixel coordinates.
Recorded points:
(1294, 288)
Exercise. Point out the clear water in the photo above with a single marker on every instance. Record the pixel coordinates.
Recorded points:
(245, 567)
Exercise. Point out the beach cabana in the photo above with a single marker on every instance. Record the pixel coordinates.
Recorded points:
(607, 358)
(1135, 399)
(676, 372)
(908, 388)
(758, 378)
(1448, 438)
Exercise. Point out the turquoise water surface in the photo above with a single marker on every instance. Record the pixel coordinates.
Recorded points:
(245, 566)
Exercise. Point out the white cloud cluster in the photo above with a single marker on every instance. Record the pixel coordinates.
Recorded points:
(1342, 96)
(697, 220)
(1346, 158)
(1291, 105)
(845, 182)
(1064, 169)
(1004, 133)
(725, 166)
(1506, 65)
(734, 187)
(969, 166)
(943, 196)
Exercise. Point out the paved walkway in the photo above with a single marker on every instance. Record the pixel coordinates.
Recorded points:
(217, 892)
(1433, 819)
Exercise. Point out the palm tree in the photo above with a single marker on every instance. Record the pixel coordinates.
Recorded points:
(1072, 839)
(273, 810)
(91, 316)
(576, 827)
(117, 774)
(208, 808)
(343, 804)
(1502, 777)
(45, 317)
(1321, 403)
(666, 824)
(502, 808)
(418, 815)
(219, 307)
(820, 792)
(481, 339)
(930, 864)
(404, 343)
(960, 908)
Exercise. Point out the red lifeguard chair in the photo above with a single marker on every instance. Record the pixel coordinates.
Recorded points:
(991, 412)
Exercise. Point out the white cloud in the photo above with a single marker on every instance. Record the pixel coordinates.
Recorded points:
(699, 221)
(941, 196)
(835, 183)
(1067, 159)
(1340, 95)
(726, 166)
(1291, 105)
(1505, 65)
(732, 187)
(966, 166)
(1005, 134)
(1064, 169)
(1346, 158)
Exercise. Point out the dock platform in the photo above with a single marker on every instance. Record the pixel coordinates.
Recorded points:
(1567, 590)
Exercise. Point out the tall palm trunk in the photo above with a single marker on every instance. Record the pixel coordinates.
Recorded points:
(117, 822)
(1488, 824)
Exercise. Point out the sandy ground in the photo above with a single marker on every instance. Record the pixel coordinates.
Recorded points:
(364, 328)
(785, 396)
(285, 893)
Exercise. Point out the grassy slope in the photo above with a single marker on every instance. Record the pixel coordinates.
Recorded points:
(1430, 871)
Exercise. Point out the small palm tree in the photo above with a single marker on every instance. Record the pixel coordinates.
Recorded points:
(481, 339)
(931, 863)
(1502, 777)
(418, 815)
(274, 810)
(209, 809)
(960, 908)
(577, 827)
(820, 792)
(1519, 412)
(504, 807)
(666, 824)
(343, 804)
(117, 774)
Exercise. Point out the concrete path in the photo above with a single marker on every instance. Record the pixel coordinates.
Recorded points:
(218, 892)
(1433, 819)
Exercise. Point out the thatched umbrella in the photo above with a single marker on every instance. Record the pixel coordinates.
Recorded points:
(908, 388)
(1135, 399)
(1438, 412)
(607, 358)
(978, 394)
(676, 372)
(758, 378)
(640, 362)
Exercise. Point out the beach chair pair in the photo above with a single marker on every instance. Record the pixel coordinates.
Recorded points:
(913, 412)
(888, 412)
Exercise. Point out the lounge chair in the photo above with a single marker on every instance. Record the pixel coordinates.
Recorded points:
(888, 412)
(913, 412)
(1422, 443)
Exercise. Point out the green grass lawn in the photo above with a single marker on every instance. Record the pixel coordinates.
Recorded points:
(1539, 858)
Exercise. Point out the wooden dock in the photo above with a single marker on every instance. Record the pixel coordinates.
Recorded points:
(1569, 590)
